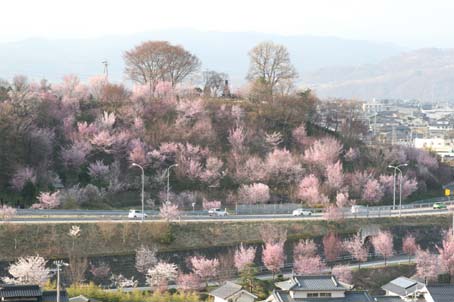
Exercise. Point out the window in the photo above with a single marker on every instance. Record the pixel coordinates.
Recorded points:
(325, 294)
(312, 295)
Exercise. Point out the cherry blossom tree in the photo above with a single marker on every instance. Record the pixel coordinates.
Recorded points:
(323, 151)
(101, 271)
(7, 212)
(189, 282)
(409, 246)
(342, 200)
(305, 248)
(138, 152)
(332, 246)
(169, 211)
(254, 193)
(356, 248)
(145, 258)
(273, 234)
(373, 191)
(273, 256)
(282, 167)
(98, 170)
(334, 175)
(28, 270)
(237, 137)
(409, 186)
(204, 268)
(253, 170)
(446, 253)
(244, 257)
(309, 265)
(160, 275)
(427, 265)
(383, 244)
(343, 273)
(309, 191)
(299, 135)
(47, 200)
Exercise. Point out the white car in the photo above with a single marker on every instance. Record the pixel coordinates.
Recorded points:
(217, 212)
(136, 214)
(358, 209)
(301, 212)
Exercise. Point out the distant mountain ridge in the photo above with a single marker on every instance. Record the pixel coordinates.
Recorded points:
(424, 74)
(225, 52)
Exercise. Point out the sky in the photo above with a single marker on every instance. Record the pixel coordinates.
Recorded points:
(411, 23)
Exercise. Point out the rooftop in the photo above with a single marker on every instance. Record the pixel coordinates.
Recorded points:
(317, 282)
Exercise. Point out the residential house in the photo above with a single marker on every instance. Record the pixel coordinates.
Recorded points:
(231, 292)
(324, 288)
(29, 293)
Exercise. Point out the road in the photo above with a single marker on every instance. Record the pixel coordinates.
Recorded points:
(77, 216)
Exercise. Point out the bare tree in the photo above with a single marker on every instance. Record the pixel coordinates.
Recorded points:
(154, 61)
(270, 65)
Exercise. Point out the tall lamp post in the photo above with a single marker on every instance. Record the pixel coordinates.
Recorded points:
(397, 168)
(168, 181)
(143, 185)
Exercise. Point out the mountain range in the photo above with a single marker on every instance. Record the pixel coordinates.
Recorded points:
(333, 67)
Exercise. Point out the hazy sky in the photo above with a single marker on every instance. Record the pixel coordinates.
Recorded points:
(413, 23)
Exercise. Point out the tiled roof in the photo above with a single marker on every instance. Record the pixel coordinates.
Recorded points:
(226, 290)
(388, 299)
(81, 298)
(403, 286)
(317, 282)
(51, 296)
(9, 291)
(441, 293)
(359, 296)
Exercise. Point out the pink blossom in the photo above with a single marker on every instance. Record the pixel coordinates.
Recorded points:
(273, 139)
(145, 258)
(96, 86)
(160, 275)
(47, 200)
(212, 172)
(237, 139)
(409, 245)
(169, 211)
(75, 155)
(309, 191)
(7, 212)
(446, 251)
(244, 257)
(305, 248)
(98, 170)
(282, 166)
(356, 248)
(309, 265)
(300, 135)
(102, 140)
(409, 186)
(352, 154)
(22, 176)
(373, 191)
(252, 170)
(427, 266)
(189, 282)
(383, 244)
(204, 268)
(254, 193)
(334, 175)
(273, 256)
(342, 200)
(343, 273)
(323, 151)
(30, 270)
(333, 213)
(332, 246)
(387, 182)
(138, 152)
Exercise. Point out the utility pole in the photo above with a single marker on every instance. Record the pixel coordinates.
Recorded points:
(59, 264)
(397, 168)
(168, 181)
(106, 69)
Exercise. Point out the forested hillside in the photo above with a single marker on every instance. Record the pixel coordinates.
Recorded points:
(71, 145)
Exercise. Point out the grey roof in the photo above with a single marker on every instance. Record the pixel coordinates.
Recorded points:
(356, 296)
(51, 296)
(227, 290)
(316, 282)
(441, 293)
(81, 298)
(403, 286)
(388, 299)
(10, 291)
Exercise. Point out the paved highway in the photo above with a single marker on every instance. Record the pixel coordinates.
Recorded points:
(76, 216)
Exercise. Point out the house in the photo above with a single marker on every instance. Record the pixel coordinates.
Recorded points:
(231, 292)
(82, 298)
(440, 293)
(324, 288)
(29, 293)
(405, 288)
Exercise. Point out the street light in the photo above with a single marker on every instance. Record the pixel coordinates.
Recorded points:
(168, 181)
(397, 168)
(59, 264)
(143, 184)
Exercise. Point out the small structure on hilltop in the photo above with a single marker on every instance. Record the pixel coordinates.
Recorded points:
(232, 292)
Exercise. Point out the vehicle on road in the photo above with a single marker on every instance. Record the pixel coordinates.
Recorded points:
(301, 212)
(358, 209)
(439, 206)
(217, 212)
(136, 214)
